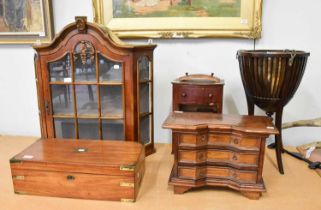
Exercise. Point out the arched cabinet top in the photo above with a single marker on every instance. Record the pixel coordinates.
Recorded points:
(82, 27)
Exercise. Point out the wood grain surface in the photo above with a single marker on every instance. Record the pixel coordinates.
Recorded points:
(89, 169)
(157, 195)
(194, 121)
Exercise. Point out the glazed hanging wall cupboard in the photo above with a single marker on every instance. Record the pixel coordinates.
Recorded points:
(91, 85)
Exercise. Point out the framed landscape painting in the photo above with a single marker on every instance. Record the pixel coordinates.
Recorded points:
(180, 18)
(25, 21)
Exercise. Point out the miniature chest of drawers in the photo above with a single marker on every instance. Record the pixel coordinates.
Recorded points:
(88, 169)
(219, 150)
(198, 93)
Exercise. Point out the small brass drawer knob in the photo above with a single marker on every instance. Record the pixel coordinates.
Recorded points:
(203, 138)
(184, 94)
(70, 178)
(236, 141)
(201, 174)
(210, 95)
(234, 157)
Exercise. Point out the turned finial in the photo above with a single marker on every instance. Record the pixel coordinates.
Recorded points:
(81, 22)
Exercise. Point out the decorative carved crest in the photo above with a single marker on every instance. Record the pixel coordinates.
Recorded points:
(86, 52)
(81, 22)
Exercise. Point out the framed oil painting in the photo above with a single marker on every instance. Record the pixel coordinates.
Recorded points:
(180, 18)
(25, 21)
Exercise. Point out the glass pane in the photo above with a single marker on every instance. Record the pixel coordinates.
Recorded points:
(85, 62)
(86, 96)
(113, 129)
(111, 100)
(60, 71)
(62, 99)
(109, 71)
(144, 95)
(143, 68)
(65, 128)
(145, 129)
(88, 128)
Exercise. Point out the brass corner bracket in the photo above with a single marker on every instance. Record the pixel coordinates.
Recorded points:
(127, 168)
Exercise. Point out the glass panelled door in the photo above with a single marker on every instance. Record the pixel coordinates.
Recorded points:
(145, 104)
(87, 91)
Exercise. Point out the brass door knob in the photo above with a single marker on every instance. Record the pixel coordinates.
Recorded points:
(210, 95)
(184, 94)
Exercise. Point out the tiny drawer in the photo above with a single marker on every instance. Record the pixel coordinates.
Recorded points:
(192, 172)
(186, 156)
(213, 94)
(219, 156)
(192, 140)
(234, 158)
(189, 94)
(242, 143)
(216, 172)
(232, 174)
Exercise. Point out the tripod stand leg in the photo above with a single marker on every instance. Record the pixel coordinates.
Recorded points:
(278, 140)
(250, 106)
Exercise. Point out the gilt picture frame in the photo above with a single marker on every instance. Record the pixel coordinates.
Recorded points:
(26, 21)
(180, 18)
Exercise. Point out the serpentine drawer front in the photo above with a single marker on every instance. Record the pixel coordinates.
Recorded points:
(218, 150)
(218, 156)
(225, 173)
(243, 143)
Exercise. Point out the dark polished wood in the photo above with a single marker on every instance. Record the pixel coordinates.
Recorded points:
(89, 169)
(88, 41)
(270, 79)
(198, 93)
(218, 150)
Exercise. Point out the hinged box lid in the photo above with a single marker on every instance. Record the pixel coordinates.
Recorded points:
(198, 79)
(115, 158)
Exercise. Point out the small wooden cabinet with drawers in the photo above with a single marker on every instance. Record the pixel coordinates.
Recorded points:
(198, 93)
(219, 150)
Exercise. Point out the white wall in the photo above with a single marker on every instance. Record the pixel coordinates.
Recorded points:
(287, 24)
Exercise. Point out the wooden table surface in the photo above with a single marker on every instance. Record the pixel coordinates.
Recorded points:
(299, 188)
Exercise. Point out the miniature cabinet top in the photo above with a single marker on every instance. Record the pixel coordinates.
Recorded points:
(196, 120)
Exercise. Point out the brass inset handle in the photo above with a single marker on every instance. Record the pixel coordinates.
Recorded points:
(211, 104)
(70, 178)
(184, 94)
